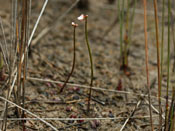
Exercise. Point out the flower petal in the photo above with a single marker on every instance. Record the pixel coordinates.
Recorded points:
(81, 17)
(74, 24)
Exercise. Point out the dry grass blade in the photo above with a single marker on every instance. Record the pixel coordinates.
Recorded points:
(4, 51)
(94, 88)
(27, 111)
(47, 29)
(138, 103)
(88, 119)
(28, 44)
(152, 106)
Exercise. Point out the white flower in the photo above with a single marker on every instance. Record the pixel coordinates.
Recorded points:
(82, 17)
(74, 24)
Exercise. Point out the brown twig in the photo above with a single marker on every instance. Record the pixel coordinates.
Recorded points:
(146, 61)
(132, 113)
(158, 64)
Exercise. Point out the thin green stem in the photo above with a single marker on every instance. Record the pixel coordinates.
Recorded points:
(121, 27)
(1, 61)
(168, 66)
(173, 34)
(91, 61)
(126, 35)
(171, 111)
(131, 24)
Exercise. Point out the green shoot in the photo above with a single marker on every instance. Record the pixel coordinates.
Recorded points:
(84, 17)
(168, 66)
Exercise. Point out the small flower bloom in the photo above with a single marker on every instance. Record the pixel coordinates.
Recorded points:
(74, 24)
(82, 17)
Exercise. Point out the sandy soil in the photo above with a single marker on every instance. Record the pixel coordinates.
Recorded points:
(51, 58)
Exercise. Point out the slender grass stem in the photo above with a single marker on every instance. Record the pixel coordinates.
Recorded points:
(171, 112)
(158, 64)
(162, 40)
(173, 34)
(121, 27)
(91, 61)
(146, 61)
(74, 57)
(126, 35)
(131, 25)
(162, 43)
(168, 66)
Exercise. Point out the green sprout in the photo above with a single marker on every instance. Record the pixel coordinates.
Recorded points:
(81, 18)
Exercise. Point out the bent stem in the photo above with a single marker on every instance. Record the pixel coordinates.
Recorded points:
(91, 61)
(146, 61)
(73, 65)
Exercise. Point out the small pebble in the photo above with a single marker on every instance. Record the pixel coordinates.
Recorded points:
(69, 108)
(76, 97)
(41, 90)
(94, 124)
(110, 114)
(80, 121)
(71, 90)
(72, 116)
(49, 84)
(81, 104)
(46, 94)
(76, 88)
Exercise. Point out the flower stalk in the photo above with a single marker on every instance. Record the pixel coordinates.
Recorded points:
(74, 57)
(81, 18)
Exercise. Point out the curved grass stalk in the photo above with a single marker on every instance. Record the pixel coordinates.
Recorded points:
(91, 61)
(73, 65)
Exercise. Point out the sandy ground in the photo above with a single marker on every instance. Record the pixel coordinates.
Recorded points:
(51, 58)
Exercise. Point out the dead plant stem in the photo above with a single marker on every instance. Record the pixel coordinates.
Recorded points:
(158, 64)
(146, 61)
